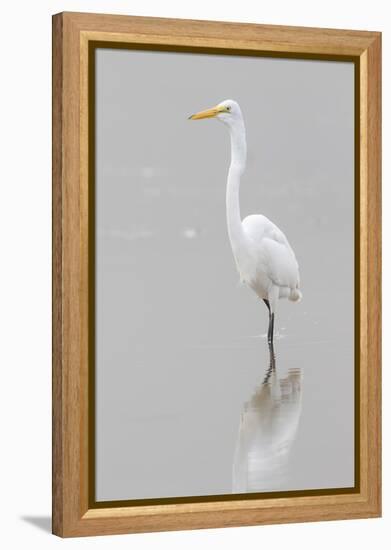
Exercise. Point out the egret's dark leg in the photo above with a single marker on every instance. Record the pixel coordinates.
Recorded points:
(270, 331)
(267, 304)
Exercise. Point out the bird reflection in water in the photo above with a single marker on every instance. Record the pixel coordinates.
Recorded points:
(267, 430)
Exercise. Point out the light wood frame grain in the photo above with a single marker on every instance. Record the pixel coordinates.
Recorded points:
(73, 512)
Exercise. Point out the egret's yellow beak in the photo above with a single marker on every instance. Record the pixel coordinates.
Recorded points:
(208, 113)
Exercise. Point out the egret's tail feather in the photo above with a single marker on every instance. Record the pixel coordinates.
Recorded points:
(295, 295)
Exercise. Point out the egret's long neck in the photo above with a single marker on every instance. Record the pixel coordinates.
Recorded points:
(236, 169)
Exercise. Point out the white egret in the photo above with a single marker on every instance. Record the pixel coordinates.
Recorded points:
(263, 255)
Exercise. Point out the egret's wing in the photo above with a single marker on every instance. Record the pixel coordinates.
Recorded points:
(276, 255)
(280, 262)
(258, 227)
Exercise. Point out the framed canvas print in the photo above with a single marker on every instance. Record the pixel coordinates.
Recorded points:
(216, 274)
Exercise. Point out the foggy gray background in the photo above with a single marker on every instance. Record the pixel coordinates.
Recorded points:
(180, 344)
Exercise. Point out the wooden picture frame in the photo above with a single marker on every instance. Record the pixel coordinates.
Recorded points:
(74, 37)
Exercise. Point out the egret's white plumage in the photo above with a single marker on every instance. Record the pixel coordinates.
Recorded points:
(264, 258)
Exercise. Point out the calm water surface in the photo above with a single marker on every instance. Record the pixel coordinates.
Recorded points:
(186, 401)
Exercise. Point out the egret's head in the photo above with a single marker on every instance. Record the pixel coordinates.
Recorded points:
(227, 111)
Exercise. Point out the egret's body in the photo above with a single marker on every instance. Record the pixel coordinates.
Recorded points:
(263, 255)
